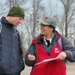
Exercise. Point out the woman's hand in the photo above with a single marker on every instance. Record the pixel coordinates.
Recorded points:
(31, 57)
(62, 56)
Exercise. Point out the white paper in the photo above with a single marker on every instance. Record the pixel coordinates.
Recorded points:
(46, 60)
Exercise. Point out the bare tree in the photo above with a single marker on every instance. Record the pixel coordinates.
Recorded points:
(36, 14)
(16, 2)
(12, 2)
(30, 22)
(52, 9)
(68, 14)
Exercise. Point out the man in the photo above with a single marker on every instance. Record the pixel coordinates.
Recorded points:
(11, 62)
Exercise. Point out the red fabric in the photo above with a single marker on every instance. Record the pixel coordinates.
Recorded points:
(34, 41)
(55, 67)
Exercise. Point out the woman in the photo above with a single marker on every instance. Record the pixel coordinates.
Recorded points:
(49, 44)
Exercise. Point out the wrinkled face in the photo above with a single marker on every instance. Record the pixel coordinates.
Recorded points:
(45, 29)
(16, 20)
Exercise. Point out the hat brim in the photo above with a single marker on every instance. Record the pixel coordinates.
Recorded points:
(44, 22)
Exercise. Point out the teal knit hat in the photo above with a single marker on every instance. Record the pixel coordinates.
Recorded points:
(16, 11)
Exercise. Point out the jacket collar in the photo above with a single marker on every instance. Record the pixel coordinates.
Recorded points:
(5, 22)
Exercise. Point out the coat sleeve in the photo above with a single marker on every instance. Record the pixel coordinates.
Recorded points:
(31, 50)
(69, 49)
(19, 44)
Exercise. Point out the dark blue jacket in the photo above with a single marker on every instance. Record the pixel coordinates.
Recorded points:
(10, 49)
